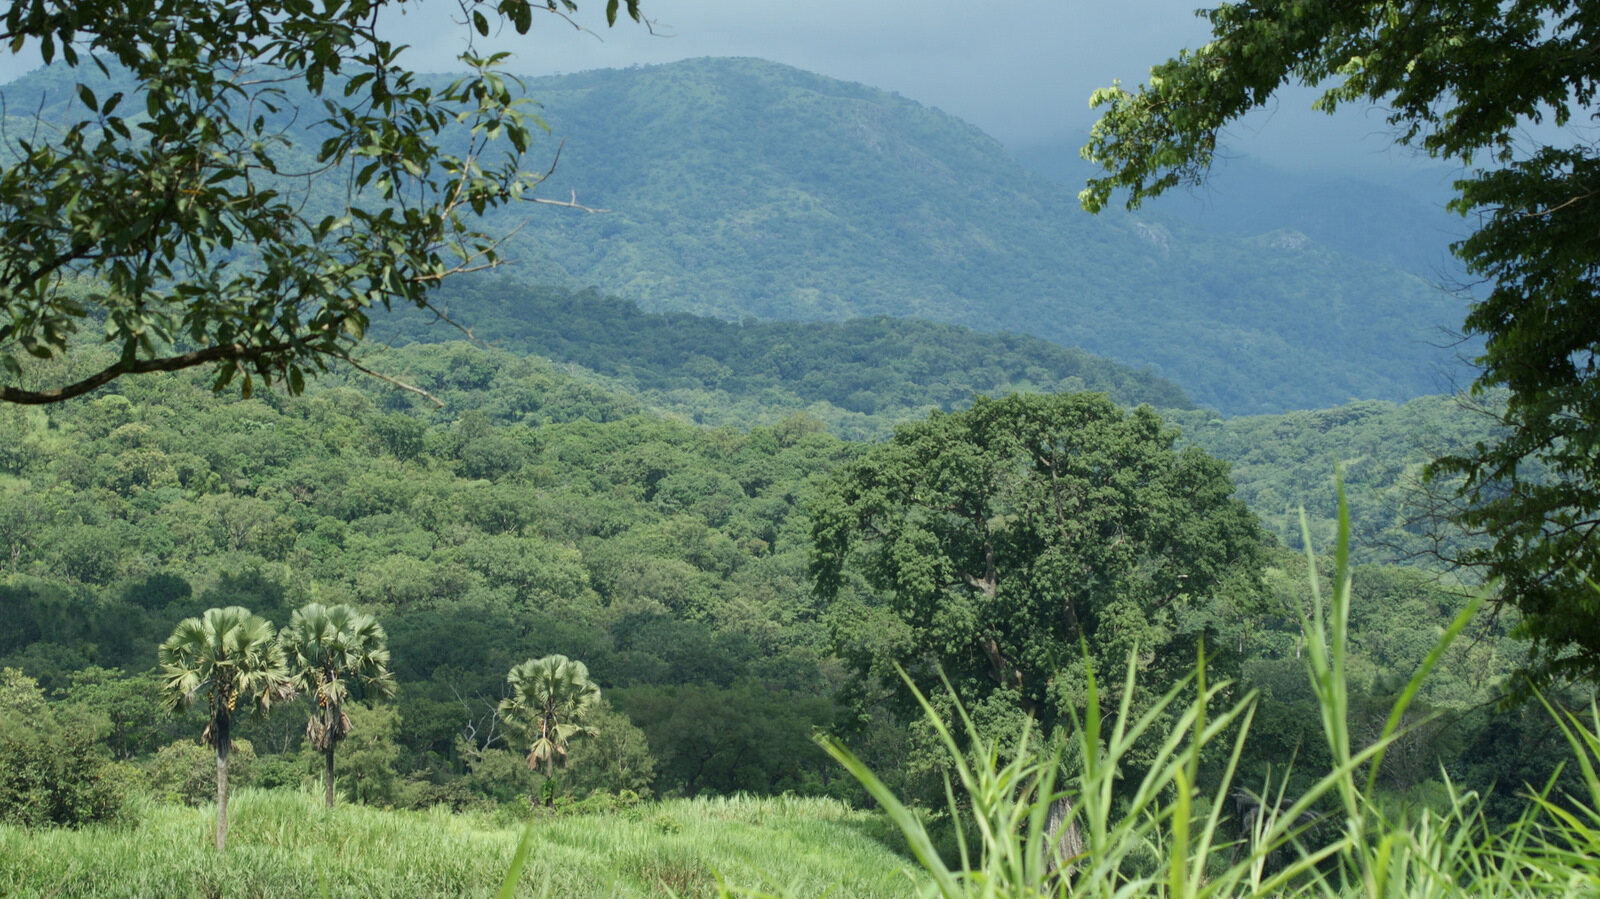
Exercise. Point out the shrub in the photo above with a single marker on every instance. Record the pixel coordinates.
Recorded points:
(52, 772)
(187, 772)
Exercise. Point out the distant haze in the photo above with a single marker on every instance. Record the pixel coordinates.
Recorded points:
(1022, 70)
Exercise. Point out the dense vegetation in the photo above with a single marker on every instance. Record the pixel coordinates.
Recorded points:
(864, 377)
(1014, 546)
(170, 228)
(285, 845)
(1287, 463)
(780, 194)
(539, 514)
(860, 377)
(777, 194)
(539, 592)
(1439, 71)
(661, 554)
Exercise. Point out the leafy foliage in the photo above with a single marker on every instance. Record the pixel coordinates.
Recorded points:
(541, 513)
(550, 702)
(1286, 464)
(232, 655)
(1460, 79)
(1535, 492)
(51, 770)
(173, 210)
(1006, 537)
(186, 771)
(777, 194)
(860, 377)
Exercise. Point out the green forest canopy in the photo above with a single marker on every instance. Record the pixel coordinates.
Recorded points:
(1460, 80)
(540, 514)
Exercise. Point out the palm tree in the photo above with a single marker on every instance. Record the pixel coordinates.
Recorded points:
(232, 655)
(549, 699)
(327, 647)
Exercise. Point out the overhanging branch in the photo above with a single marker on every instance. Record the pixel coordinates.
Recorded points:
(235, 351)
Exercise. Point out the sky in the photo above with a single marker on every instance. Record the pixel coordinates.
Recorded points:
(1021, 70)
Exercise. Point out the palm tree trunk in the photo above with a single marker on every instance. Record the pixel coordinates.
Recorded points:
(1063, 843)
(327, 776)
(224, 744)
(550, 779)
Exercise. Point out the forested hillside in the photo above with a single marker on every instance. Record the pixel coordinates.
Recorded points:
(1286, 463)
(1398, 219)
(859, 377)
(776, 193)
(863, 378)
(537, 516)
(707, 551)
(740, 188)
(537, 513)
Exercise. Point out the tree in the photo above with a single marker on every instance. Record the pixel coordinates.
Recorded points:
(135, 722)
(1006, 537)
(171, 207)
(51, 771)
(616, 758)
(1460, 80)
(232, 655)
(550, 700)
(326, 648)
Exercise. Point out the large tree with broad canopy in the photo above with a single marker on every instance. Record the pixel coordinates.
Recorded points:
(1003, 540)
(1461, 80)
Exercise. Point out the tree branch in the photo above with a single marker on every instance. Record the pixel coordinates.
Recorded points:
(235, 351)
(395, 382)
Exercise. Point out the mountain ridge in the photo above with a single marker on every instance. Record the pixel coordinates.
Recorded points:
(741, 188)
(749, 188)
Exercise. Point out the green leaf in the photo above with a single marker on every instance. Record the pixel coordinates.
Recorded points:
(519, 860)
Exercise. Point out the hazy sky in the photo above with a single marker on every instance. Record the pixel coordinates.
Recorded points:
(1022, 70)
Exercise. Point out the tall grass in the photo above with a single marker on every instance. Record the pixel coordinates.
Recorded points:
(1164, 837)
(285, 844)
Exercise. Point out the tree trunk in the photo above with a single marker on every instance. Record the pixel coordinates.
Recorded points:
(327, 776)
(224, 744)
(1062, 841)
(550, 779)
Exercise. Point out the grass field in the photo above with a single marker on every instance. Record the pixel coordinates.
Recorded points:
(1156, 830)
(283, 843)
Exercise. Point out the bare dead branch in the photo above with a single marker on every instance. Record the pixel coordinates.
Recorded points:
(396, 382)
(570, 203)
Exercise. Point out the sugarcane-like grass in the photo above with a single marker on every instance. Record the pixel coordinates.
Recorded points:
(1163, 836)
(1160, 835)
(284, 843)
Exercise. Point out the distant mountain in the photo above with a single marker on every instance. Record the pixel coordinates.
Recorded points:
(1399, 221)
(740, 188)
(744, 188)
